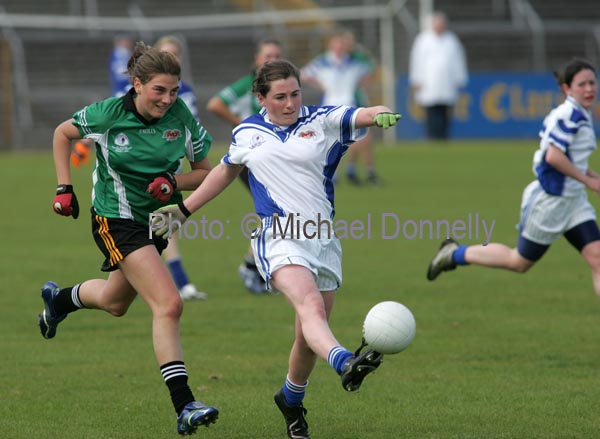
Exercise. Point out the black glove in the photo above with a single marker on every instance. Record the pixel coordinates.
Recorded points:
(162, 187)
(65, 203)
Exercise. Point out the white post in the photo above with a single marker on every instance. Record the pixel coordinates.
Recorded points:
(388, 73)
(425, 10)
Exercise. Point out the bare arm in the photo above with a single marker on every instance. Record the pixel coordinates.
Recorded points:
(217, 180)
(365, 117)
(217, 106)
(558, 160)
(61, 150)
(312, 81)
(191, 180)
(591, 173)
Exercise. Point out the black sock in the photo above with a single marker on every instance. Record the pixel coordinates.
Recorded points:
(67, 300)
(175, 376)
(250, 263)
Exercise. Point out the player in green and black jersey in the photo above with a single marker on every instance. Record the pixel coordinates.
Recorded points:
(141, 140)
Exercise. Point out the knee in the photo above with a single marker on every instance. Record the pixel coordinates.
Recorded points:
(591, 253)
(520, 264)
(171, 308)
(117, 309)
(522, 268)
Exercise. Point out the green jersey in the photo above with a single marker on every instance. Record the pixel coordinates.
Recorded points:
(130, 152)
(239, 97)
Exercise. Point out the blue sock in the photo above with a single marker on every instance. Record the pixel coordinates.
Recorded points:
(350, 169)
(459, 255)
(337, 357)
(178, 273)
(293, 393)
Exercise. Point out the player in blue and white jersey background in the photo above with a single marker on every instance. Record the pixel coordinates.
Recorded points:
(556, 203)
(342, 74)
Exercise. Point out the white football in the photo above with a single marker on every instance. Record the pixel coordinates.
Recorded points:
(389, 327)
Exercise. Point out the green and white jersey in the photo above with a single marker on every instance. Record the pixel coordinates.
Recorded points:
(131, 151)
(239, 97)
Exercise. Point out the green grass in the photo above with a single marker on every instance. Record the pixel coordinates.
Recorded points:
(497, 355)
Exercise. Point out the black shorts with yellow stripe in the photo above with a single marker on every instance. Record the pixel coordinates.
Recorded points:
(117, 237)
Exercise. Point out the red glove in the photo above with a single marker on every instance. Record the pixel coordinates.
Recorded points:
(162, 187)
(65, 203)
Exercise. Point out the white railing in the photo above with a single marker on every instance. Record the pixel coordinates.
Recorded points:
(391, 17)
(20, 118)
(524, 15)
(89, 21)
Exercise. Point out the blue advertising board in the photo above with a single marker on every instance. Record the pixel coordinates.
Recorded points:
(493, 105)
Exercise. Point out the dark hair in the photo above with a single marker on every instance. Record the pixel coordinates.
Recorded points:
(566, 74)
(147, 62)
(266, 42)
(273, 71)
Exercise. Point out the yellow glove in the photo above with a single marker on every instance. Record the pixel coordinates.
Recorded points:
(386, 120)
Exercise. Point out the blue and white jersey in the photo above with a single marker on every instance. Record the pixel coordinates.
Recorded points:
(340, 78)
(186, 93)
(291, 168)
(570, 128)
(119, 78)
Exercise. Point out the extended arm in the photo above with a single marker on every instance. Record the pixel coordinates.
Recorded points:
(379, 115)
(311, 81)
(215, 183)
(220, 108)
(217, 180)
(191, 180)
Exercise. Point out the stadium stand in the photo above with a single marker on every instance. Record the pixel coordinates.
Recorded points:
(66, 69)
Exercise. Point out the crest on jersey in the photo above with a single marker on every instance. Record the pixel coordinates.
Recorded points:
(171, 135)
(121, 139)
(309, 134)
(256, 141)
(121, 143)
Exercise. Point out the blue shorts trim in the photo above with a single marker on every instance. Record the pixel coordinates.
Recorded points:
(582, 234)
(531, 250)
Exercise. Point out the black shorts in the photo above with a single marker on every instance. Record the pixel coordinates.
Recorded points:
(116, 238)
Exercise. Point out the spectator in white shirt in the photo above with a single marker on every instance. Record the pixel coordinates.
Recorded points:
(438, 70)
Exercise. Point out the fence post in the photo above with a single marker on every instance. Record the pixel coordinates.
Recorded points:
(6, 92)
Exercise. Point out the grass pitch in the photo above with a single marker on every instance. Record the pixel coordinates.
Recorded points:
(497, 355)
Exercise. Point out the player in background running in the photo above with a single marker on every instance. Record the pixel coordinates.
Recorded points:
(555, 204)
(233, 104)
(341, 74)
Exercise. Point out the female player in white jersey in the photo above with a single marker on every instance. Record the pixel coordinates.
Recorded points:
(556, 203)
(292, 152)
(342, 74)
(140, 140)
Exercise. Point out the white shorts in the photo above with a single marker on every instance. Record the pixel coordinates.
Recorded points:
(321, 256)
(545, 218)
